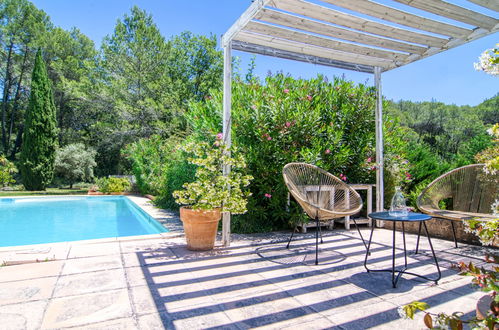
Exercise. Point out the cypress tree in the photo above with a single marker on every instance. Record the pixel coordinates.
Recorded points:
(40, 132)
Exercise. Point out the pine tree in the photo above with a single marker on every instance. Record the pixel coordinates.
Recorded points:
(40, 132)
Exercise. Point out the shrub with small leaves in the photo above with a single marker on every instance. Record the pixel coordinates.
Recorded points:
(7, 169)
(486, 280)
(75, 162)
(110, 185)
(212, 189)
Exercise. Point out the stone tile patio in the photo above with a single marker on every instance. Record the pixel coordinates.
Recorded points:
(157, 283)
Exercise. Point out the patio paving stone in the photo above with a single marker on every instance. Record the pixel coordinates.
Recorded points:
(30, 271)
(91, 264)
(27, 315)
(90, 282)
(26, 290)
(93, 250)
(309, 322)
(118, 324)
(87, 309)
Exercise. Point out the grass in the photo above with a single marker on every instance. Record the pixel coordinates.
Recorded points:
(49, 191)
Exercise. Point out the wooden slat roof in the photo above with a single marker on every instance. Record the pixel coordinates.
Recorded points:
(360, 34)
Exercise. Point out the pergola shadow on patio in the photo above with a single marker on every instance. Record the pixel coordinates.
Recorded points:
(157, 283)
(258, 282)
(361, 35)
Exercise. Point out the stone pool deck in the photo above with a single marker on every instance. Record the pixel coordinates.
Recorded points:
(157, 283)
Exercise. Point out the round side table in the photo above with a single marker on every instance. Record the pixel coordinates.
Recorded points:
(411, 217)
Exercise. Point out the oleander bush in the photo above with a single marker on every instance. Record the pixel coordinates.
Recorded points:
(327, 123)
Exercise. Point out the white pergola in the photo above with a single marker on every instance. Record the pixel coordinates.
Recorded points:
(360, 35)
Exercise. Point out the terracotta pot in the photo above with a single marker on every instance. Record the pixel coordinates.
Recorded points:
(200, 227)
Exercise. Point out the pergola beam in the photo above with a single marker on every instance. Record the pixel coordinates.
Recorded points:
(226, 129)
(452, 11)
(293, 21)
(325, 14)
(380, 190)
(490, 4)
(274, 52)
(310, 39)
(247, 16)
(269, 41)
(390, 14)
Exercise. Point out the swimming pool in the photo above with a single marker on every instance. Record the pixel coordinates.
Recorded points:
(36, 220)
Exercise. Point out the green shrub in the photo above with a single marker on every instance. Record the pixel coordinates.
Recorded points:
(149, 157)
(160, 167)
(330, 124)
(75, 163)
(7, 170)
(110, 185)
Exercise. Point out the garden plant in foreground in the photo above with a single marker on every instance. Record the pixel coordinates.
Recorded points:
(214, 190)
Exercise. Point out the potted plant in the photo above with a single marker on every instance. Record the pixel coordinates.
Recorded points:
(212, 192)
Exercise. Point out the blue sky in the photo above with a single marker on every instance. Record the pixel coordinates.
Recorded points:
(447, 77)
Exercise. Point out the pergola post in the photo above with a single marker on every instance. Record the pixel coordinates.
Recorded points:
(379, 141)
(227, 104)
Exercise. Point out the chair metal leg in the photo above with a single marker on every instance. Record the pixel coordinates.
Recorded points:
(317, 241)
(453, 232)
(320, 233)
(419, 235)
(292, 233)
(434, 255)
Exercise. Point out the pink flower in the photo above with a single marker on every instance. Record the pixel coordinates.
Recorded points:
(309, 97)
(253, 107)
(269, 138)
(220, 136)
(369, 159)
(343, 177)
(288, 124)
(268, 195)
(327, 151)
(286, 91)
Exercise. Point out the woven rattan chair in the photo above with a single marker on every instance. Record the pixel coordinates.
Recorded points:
(321, 195)
(467, 191)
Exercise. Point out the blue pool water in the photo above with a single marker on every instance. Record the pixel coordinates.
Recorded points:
(26, 221)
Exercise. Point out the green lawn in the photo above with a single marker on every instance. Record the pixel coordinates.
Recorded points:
(49, 191)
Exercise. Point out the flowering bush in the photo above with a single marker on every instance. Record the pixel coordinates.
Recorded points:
(212, 189)
(489, 61)
(326, 123)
